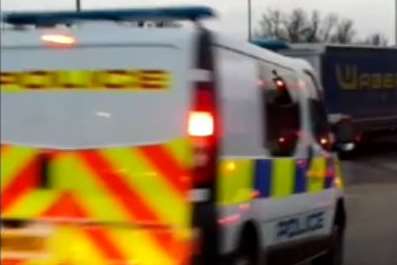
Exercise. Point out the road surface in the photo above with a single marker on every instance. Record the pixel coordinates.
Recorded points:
(371, 188)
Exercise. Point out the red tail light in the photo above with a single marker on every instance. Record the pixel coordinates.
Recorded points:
(203, 129)
(201, 124)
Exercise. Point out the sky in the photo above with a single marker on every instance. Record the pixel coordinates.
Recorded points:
(370, 16)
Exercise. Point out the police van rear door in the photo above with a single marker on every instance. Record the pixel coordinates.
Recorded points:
(95, 161)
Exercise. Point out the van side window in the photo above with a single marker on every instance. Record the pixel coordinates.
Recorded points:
(282, 115)
(318, 115)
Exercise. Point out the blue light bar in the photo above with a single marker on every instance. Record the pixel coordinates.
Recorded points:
(271, 44)
(71, 17)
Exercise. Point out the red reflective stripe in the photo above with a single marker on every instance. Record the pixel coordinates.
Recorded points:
(11, 262)
(103, 241)
(68, 206)
(164, 162)
(26, 180)
(114, 181)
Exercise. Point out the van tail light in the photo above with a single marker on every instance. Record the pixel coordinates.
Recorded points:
(201, 124)
(203, 131)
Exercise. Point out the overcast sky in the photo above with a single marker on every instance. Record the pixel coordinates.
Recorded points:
(369, 15)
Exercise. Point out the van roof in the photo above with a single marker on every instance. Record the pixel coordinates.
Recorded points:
(108, 33)
(223, 40)
(99, 33)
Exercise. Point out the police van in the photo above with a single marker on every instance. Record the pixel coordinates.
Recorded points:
(144, 145)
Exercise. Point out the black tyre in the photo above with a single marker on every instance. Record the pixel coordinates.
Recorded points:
(334, 255)
(248, 250)
(245, 257)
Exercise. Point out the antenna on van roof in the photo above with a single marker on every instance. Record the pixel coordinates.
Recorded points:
(194, 13)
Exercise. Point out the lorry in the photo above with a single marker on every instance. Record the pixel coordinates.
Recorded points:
(360, 89)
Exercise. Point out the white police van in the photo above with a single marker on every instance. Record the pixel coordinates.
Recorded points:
(231, 147)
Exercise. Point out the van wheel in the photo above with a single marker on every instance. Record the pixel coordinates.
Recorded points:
(248, 250)
(245, 258)
(334, 255)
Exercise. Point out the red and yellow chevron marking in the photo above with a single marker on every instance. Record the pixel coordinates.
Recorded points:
(89, 80)
(122, 205)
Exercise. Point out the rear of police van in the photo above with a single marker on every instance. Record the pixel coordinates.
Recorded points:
(99, 127)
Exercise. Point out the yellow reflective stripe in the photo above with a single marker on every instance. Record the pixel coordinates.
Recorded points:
(102, 207)
(130, 79)
(11, 88)
(13, 160)
(181, 150)
(68, 173)
(39, 79)
(72, 246)
(283, 177)
(235, 181)
(150, 184)
(139, 247)
(161, 78)
(32, 204)
(120, 79)
(316, 174)
(37, 262)
(72, 79)
(338, 174)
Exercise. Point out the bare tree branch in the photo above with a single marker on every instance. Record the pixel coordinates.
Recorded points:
(345, 32)
(377, 39)
(302, 26)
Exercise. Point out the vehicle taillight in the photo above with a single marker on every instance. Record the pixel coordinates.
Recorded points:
(203, 130)
(201, 123)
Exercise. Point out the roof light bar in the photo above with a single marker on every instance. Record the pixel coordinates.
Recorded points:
(69, 17)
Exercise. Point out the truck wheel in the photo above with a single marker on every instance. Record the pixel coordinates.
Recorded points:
(346, 155)
(345, 139)
(334, 255)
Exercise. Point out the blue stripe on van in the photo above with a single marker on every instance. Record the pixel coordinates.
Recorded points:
(263, 175)
(330, 174)
(300, 176)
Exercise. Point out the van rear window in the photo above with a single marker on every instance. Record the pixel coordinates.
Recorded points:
(282, 116)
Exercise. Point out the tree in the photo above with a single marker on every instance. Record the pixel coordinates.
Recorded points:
(300, 26)
(376, 39)
(272, 25)
(344, 32)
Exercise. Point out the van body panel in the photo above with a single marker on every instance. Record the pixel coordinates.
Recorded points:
(84, 118)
